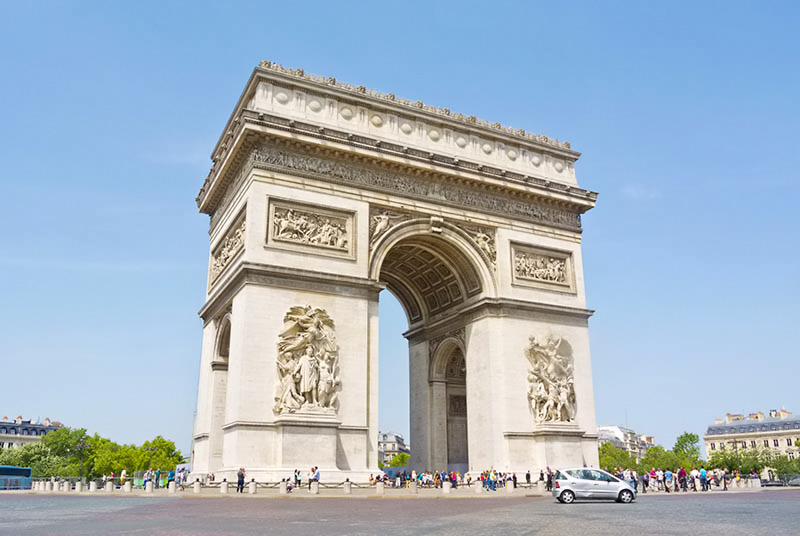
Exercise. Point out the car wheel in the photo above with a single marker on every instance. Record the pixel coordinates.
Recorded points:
(566, 497)
(625, 496)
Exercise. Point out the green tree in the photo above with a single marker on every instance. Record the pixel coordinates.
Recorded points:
(658, 458)
(401, 460)
(159, 453)
(612, 457)
(687, 450)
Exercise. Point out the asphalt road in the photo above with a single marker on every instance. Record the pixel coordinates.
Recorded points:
(761, 513)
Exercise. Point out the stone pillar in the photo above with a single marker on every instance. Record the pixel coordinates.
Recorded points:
(223, 487)
(78, 486)
(148, 488)
(127, 487)
(379, 488)
(284, 488)
(446, 486)
(109, 487)
(438, 419)
(93, 486)
(50, 485)
(315, 488)
(251, 487)
(172, 487)
(196, 486)
(348, 487)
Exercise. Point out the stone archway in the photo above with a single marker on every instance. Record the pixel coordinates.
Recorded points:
(320, 196)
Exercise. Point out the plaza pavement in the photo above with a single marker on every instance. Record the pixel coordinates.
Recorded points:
(734, 513)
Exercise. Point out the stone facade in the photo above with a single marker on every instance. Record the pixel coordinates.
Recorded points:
(14, 434)
(320, 196)
(626, 439)
(777, 431)
(390, 445)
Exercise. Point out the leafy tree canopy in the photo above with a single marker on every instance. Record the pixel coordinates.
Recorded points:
(401, 460)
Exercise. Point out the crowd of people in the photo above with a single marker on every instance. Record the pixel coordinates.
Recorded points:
(489, 479)
(679, 480)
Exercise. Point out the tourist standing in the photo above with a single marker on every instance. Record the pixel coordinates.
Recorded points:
(240, 480)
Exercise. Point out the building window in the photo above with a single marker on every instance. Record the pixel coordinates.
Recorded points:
(10, 444)
(766, 442)
(753, 444)
(744, 444)
(722, 446)
(712, 446)
(775, 442)
(791, 455)
(788, 441)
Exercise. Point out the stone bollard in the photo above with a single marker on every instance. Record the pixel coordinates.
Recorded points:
(348, 487)
(379, 488)
(251, 487)
(283, 489)
(509, 487)
(478, 486)
(446, 486)
(172, 487)
(66, 486)
(78, 486)
(223, 487)
(314, 488)
(127, 487)
(413, 487)
(148, 487)
(109, 487)
(39, 485)
(196, 486)
(92, 486)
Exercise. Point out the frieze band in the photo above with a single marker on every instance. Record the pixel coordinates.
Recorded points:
(329, 170)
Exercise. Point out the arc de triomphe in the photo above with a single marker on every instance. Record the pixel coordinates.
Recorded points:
(322, 194)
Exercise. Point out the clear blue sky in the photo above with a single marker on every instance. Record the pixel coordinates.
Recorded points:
(686, 114)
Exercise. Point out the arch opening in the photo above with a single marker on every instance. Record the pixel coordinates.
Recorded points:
(433, 279)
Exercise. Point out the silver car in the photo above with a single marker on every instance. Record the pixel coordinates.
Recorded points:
(587, 483)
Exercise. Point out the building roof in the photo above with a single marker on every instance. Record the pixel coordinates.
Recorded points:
(768, 424)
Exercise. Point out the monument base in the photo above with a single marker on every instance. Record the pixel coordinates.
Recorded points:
(554, 445)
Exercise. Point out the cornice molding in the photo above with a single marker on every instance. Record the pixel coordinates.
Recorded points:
(271, 72)
(281, 276)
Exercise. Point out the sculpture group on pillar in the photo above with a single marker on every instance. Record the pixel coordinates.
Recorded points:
(308, 362)
(551, 391)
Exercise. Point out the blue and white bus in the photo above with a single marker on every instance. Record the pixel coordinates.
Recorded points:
(12, 477)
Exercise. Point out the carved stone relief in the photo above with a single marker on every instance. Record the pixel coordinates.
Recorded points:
(542, 267)
(308, 363)
(483, 238)
(356, 175)
(319, 228)
(457, 405)
(551, 391)
(382, 220)
(226, 251)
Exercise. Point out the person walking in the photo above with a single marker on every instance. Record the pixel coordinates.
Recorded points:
(240, 480)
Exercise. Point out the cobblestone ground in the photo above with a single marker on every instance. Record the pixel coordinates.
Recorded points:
(760, 513)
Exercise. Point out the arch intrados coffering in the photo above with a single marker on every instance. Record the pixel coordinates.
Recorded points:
(429, 272)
